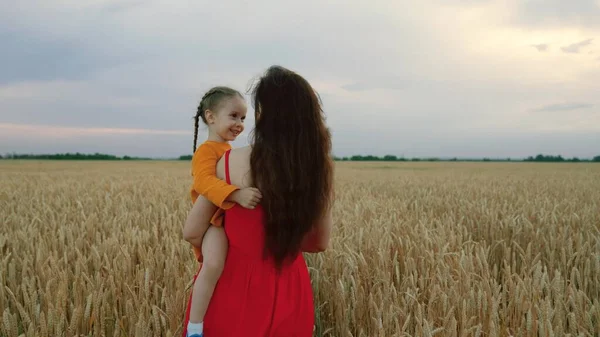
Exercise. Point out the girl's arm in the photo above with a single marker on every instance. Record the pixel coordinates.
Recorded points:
(206, 183)
(216, 190)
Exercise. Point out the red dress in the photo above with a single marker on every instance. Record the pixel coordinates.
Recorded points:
(251, 299)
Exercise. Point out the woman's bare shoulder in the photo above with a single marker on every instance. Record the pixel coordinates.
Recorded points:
(239, 165)
(245, 150)
(239, 155)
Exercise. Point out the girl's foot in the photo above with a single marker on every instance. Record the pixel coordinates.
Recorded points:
(195, 330)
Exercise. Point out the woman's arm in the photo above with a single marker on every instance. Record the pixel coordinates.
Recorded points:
(317, 240)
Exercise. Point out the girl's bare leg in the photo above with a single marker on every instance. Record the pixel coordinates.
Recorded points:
(214, 252)
(198, 221)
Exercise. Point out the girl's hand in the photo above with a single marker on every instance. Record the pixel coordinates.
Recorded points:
(247, 197)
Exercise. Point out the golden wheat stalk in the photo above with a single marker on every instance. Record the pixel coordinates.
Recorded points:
(442, 249)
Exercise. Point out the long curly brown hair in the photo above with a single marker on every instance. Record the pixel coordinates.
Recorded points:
(291, 160)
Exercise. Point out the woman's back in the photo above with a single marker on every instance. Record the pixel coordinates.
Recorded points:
(264, 289)
(251, 297)
(245, 227)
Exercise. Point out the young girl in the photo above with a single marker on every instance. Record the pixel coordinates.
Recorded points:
(224, 110)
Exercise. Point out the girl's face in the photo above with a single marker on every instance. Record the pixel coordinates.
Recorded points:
(227, 122)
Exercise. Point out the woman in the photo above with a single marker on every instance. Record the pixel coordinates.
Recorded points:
(265, 288)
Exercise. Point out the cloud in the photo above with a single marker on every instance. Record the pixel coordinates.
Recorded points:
(29, 56)
(563, 107)
(416, 76)
(540, 47)
(552, 13)
(574, 48)
(84, 103)
(57, 90)
(122, 6)
(157, 143)
(390, 83)
(69, 132)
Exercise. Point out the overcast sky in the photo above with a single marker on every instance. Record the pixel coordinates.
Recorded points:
(467, 78)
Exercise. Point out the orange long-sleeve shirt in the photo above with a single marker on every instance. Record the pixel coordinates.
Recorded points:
(204, 171)
(206, 183)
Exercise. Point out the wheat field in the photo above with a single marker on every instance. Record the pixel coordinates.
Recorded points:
(418, 249)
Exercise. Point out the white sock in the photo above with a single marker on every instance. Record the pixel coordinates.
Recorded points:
(195, 328)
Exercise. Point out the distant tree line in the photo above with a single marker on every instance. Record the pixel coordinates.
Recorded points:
(559, 158)
(386, 158)
(538, 158)
(71, 156)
